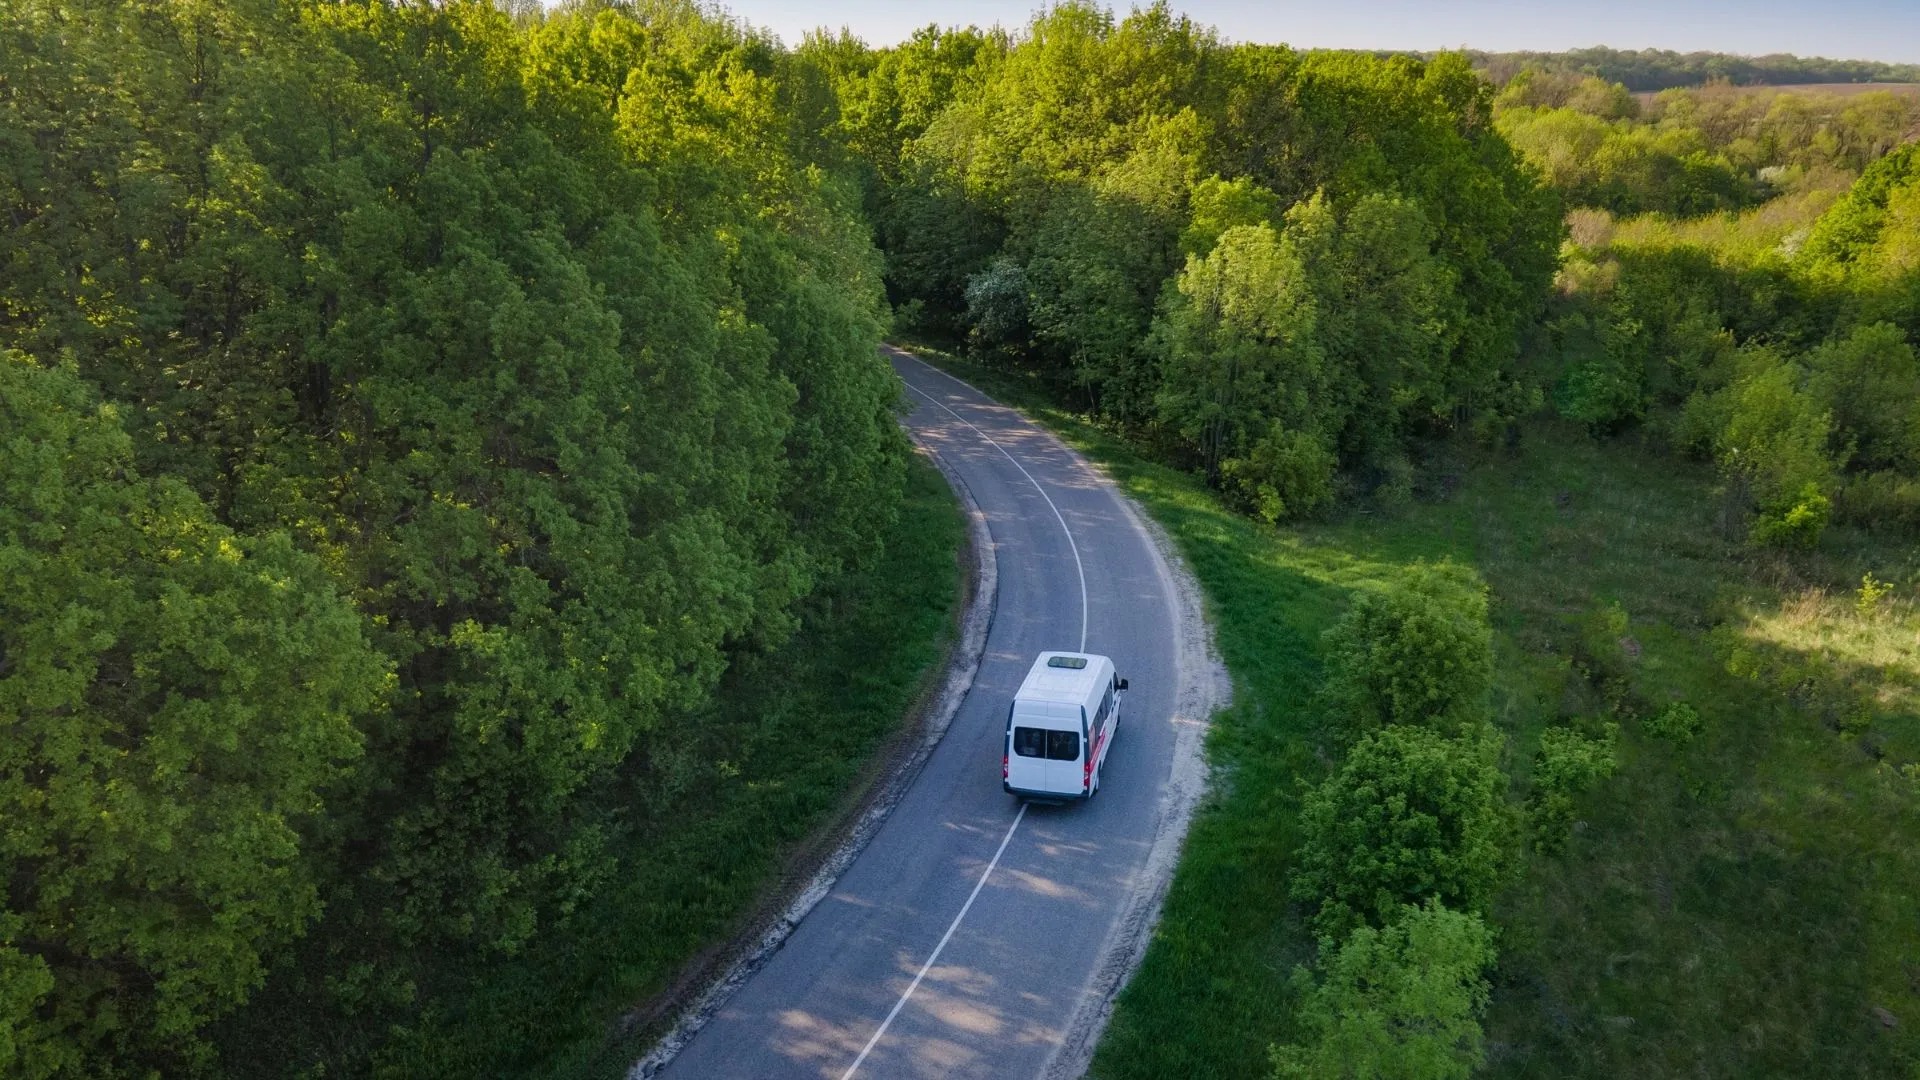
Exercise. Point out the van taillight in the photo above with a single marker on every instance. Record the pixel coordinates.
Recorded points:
(1003, 766)
(1086, 781)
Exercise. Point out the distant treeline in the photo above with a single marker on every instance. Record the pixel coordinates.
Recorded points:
(1689, 152)
(1645, 70)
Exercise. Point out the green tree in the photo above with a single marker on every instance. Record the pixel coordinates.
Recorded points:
(1399, 1003)
(1567, 764)
(1242, 359)
(1770, 437)
(1410, 816)
(1870, 381)
(1418, 652)
(177, 705)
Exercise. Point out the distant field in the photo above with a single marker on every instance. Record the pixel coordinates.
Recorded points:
(1844, 89)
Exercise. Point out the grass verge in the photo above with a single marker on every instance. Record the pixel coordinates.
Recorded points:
(1735, 904)
(789, 736)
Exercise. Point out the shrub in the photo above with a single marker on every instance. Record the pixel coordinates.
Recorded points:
(1410, 816)
(1603, 642)
(997, 305)
(1567, 764)
(1678, 722)
(1884, 501)
(1420, 652)
(1400, 1002)
(1772, 447)
(1285, 474)
(1872, 590)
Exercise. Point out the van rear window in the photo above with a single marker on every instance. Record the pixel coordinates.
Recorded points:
(1063, 745)
(1053, 745)
(1030, 742)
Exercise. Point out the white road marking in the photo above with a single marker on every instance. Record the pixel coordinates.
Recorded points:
(944, 938)
(1075, 548)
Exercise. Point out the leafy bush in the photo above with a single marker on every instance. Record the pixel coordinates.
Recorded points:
(1410, 816)
(1886, 500)
(1676, 722)
(1399, 1003)
(1771, 442)
(1567, 764)
(1419, 652)
(1285, 474)
(1604, 386)
(997, 305)
(1870, 380)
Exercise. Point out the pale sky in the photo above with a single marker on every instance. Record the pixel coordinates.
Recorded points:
(1841, 29)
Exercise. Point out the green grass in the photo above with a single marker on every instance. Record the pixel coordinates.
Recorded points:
(1737, 906)
(790, 736)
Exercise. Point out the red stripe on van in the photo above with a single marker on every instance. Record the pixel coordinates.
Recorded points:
(1093, 756)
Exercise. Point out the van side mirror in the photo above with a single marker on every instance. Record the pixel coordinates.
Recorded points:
(1119, 684)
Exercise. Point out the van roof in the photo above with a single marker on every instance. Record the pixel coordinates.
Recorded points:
(1067, 685)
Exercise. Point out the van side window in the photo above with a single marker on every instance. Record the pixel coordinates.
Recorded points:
(1063, 745)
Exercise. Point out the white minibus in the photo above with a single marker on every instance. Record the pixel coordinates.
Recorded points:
(1060, 726)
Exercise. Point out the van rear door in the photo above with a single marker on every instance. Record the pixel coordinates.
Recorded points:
(1044, 744)
(1064, 747)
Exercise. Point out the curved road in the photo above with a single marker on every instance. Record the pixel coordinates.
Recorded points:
(962, 940)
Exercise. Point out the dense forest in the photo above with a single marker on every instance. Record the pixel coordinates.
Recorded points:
(412, 412)
(408, 415)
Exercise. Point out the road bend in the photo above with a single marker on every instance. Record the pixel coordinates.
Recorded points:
(961, 941)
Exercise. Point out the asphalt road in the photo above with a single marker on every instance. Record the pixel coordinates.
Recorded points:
(1018, 904)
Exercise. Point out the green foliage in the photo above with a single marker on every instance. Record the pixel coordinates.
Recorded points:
(179, 705)
(1602, 645)
(1604, 386)
(1870, 381)
(1676, 722)
(997, 305)
(1854, 231)
(530, 338)
(1883, 501)
(1872, 591)
(1418, 652)
(1124, 167)
(1567, 763)
(1410, 816)
(1625, 167)
(1241, 352)
(1284, 474)
(1218, 205)
(1771, 439)
(1399, 1003)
